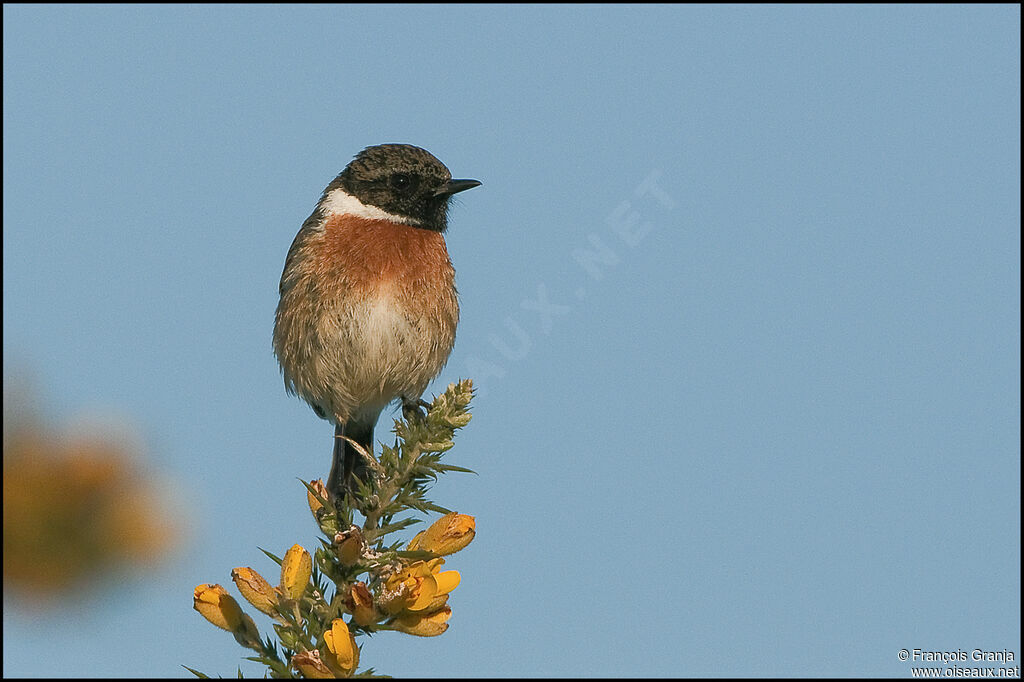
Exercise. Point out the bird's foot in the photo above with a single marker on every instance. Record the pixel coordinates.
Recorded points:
(412, 409)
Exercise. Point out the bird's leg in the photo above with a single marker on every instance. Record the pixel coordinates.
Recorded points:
(335, 479)
(348, 462)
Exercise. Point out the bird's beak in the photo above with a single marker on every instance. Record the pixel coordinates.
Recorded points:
(454, 186)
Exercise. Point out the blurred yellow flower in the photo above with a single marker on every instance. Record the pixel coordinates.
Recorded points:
(256, 590)
(449, 534)
(296, 567)
(84, 499)
(342, 654)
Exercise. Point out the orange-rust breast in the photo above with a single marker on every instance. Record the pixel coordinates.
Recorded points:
(372, 253)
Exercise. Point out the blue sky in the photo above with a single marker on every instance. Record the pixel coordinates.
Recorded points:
(770, 426)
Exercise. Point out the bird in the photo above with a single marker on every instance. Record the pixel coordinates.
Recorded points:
(368, 306)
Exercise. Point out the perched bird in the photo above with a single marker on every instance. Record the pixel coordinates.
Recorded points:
(368, 305)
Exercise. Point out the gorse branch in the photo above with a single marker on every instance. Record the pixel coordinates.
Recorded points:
(359, 580)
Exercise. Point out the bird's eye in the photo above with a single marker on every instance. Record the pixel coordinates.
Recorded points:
(401, 182)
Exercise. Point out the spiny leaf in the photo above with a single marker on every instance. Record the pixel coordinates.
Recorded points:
(452, 467)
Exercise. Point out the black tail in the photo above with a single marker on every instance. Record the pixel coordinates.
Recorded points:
(348, 464)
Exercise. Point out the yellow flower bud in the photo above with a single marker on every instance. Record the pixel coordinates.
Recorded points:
(309, 664)
(424, 625)
(217, 606)
(342, 654)
(449, 534)
(314, 504)
(296, 567)
(256, 590)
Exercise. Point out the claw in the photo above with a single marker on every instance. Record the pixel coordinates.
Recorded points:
(412, 408)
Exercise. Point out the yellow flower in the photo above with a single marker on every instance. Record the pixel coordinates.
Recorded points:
(296, 567)
(424, 624)
(309, 664)
(217, 606)
(449, 534)
(256, 590)
(418, 598)
(342, 654)
(446, 582)
(419, 587)
(87, 495)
